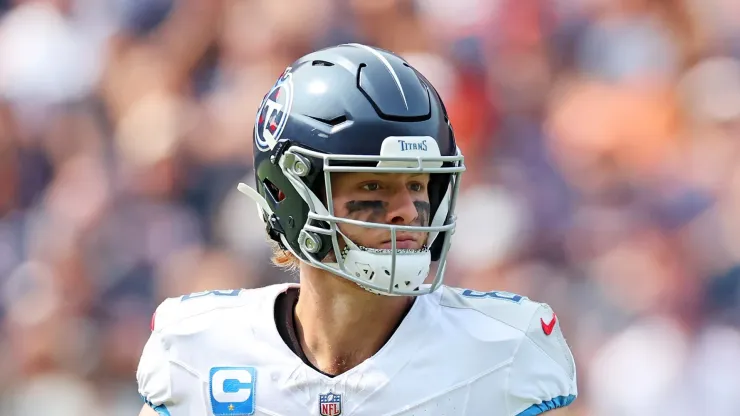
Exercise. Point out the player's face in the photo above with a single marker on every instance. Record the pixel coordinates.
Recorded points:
(390, 198)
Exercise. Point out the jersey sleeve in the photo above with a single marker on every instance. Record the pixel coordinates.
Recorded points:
(543, 372)
(154, 372)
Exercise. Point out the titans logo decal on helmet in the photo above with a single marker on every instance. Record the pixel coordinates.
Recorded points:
(273, 113)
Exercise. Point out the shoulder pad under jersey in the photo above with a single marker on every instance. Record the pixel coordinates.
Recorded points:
(536, 320)
(178, 315)
(177, 309)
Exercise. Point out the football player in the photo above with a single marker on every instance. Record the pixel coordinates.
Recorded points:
(357, 172)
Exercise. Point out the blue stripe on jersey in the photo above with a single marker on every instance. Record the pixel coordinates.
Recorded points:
(537, 409)
(161, 409)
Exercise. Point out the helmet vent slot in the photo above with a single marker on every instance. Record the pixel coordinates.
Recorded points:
(331, 122)
(319, 62)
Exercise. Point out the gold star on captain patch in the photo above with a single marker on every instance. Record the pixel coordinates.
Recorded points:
(231, 408)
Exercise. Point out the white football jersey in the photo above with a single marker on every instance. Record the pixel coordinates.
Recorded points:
(457, 352)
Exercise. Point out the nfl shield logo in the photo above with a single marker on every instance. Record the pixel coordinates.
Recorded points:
(330, 404)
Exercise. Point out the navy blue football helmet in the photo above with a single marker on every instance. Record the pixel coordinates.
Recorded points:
(354, 108)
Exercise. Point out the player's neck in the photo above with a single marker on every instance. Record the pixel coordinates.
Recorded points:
(339, 324)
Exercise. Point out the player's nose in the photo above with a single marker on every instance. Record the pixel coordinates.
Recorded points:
(401, 208)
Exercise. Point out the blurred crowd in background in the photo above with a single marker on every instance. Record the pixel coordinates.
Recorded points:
(602, 139)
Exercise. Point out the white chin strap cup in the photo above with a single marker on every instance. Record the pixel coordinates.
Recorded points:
(375, 269)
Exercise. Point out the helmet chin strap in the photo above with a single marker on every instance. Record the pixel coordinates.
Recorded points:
(262, 205)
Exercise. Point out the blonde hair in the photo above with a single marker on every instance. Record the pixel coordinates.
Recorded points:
(284, 259)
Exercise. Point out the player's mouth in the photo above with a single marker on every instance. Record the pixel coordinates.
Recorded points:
(403, 242)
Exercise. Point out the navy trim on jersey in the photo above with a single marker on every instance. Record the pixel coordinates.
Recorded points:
(536, 409)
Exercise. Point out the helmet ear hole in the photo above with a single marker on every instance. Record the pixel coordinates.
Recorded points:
(275, 192)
